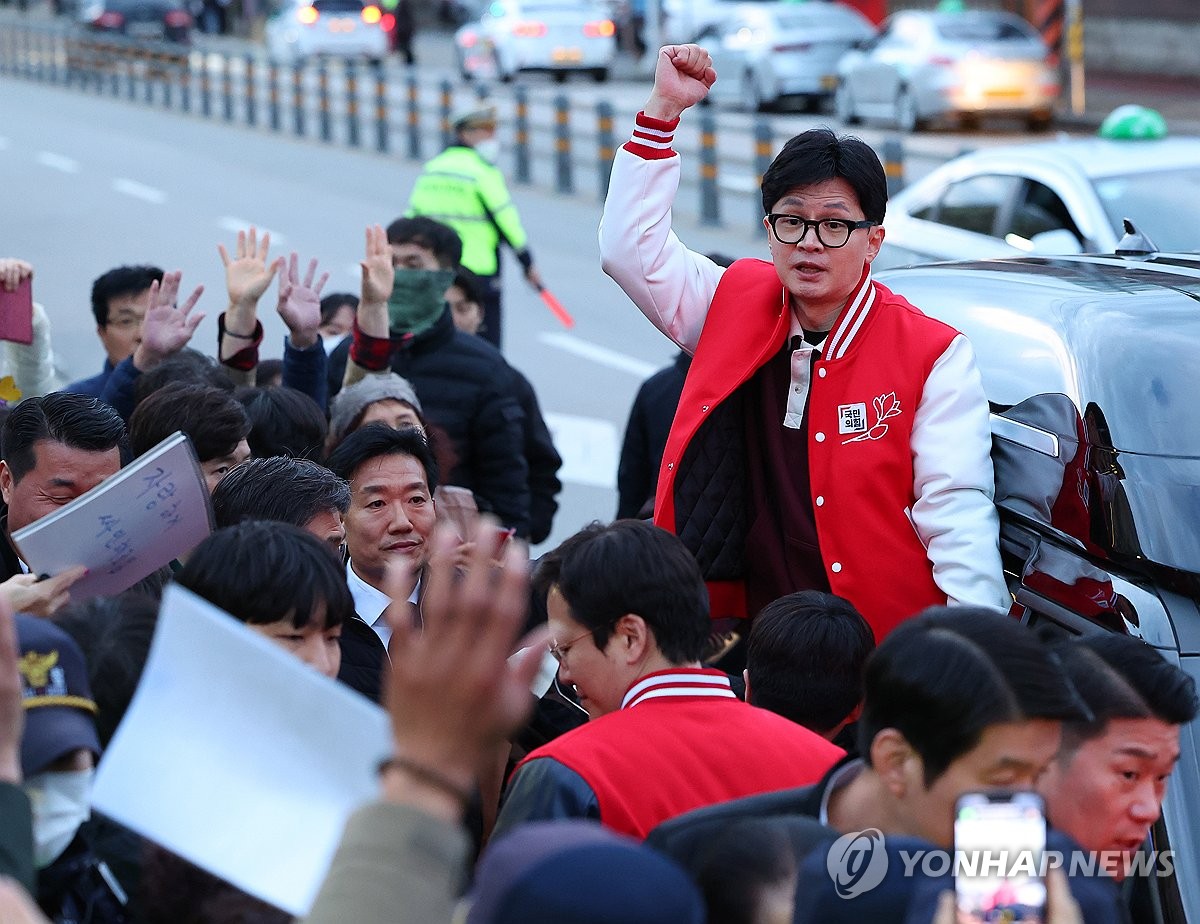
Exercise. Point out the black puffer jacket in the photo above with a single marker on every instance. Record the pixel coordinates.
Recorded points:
(466, 388)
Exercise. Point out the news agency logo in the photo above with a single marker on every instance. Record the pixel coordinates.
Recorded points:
(857, 862)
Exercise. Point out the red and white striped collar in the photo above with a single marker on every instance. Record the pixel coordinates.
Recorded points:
(679, 681)
(850, 321)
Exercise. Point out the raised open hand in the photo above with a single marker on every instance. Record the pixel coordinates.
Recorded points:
(166, 329)
(452, 695)
(300, 302)
(247, 275)
(683, 75)
(377, 278)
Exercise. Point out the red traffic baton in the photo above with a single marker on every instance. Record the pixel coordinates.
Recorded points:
(556, 307)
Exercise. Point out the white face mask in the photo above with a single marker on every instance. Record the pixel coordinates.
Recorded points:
(488, 149)
(61, 803)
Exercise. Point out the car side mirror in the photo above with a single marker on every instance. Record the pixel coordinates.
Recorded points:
(1057, 241)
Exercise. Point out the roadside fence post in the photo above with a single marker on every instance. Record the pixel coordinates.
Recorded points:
(523, 172)
(205, 87)
(352, 126)
(185, 83)
(323, 102)
(227, 88)
(273, 113)
(893, 164)
(251, 100)
(607, 145)
(147, 76)
(710, 196)
(447, 102)
(564, 182)
(763, 144)
(297, 100)
(413, 120)
(382, 132)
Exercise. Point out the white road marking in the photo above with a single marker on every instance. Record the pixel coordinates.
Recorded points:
(589, 447)
(234, 225)
(139, 191)
(598, 354)
(57, 162)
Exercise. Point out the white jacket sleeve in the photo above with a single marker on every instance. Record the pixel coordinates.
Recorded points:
(32, 365)
(671, 285)
(954, 484)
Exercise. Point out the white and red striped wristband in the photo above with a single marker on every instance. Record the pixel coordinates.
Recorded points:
(652, 138)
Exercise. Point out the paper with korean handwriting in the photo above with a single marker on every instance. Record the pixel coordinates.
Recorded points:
(128, 526)
(240, 758)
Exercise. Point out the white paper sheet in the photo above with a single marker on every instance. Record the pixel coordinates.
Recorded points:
(128, 526)
(239, 757)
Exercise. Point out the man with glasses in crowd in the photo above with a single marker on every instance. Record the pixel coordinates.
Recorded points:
(830, 436)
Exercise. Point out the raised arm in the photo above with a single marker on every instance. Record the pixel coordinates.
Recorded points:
(670, 284)
(247, 276)
(370, 350)
(299, 306)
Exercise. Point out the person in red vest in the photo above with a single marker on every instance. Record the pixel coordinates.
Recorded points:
(829, 436)
(628, 620)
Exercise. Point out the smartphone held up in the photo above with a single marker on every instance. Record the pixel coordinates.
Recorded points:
(999, 848)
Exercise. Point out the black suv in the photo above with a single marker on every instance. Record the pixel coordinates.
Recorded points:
(1092, 368)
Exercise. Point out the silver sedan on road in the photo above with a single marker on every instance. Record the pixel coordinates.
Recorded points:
(1053, 197)
(766, 52)
(928, 65)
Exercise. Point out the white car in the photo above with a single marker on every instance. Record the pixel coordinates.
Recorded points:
(1054, 197)
(300, 29)
(765, 52)
(557, 36)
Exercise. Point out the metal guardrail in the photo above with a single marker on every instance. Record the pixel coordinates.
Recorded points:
(329, 100)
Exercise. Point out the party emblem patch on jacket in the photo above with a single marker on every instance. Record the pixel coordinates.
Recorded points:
(852, 418)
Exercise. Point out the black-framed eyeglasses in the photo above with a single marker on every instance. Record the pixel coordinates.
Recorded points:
(831, 232)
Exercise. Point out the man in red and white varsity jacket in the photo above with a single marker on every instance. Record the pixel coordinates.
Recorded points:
(628, 618)
(830, 436)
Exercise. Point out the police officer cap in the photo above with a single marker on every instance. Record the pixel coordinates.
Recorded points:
(477, 117)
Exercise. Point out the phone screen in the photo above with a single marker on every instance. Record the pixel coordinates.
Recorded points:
(999, 840)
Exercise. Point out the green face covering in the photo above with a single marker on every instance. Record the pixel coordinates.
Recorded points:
(418, 299)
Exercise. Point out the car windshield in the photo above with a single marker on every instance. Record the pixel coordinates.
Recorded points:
(338, 6)
(983, 29)
(1163, 204)
(831, 15)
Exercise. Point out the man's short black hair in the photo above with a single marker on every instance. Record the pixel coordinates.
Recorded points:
(1120, 677)
(212, 418)
(264, 572)
(187, 367)
(818, 155)
(119, 282)
(631, 566)
(378, 439)
(946, 675)
(471, 285)
(432, 235)
(284, 422)
(77, 421)
(278, 488)
(332, 302)
(114, 634)
(805, 658)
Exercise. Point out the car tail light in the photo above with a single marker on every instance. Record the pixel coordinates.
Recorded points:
(307, 15)
(371, 15)
(178, 19)
(601, 28)
(529, 29)
(109, 19)
(795, 46)
(387, 22)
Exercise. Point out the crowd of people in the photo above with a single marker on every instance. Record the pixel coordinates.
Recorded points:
(796, 630)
